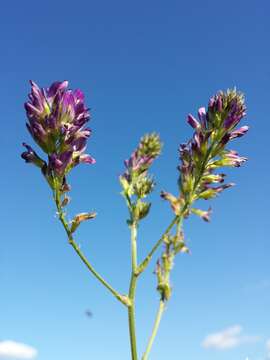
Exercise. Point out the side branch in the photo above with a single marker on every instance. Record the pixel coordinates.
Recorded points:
(122, 298)
(148, 258)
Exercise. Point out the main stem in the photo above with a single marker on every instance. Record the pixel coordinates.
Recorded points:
(132, 291)
(155, 329)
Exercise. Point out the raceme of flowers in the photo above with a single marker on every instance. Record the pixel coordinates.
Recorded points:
(56, 121)
(199, 177)
(136, 181)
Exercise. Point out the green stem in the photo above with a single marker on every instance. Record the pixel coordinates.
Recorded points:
(155, 329)
(134, 247)
(132, 292)
(147, 259)
(122, 298)
(179, 224)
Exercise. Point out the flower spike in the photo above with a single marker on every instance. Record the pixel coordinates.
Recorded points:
(56, 120)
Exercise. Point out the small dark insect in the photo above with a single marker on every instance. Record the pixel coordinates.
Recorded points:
(88, 313)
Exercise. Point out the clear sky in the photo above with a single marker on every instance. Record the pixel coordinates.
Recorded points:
(143, 66)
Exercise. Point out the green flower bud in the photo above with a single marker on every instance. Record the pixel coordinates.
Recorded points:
(150, 145)
(141, 210)
(127, 187)
(143, 186)
(207, 194)
(213, 178)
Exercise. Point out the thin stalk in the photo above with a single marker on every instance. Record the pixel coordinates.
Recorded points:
(122, 298)
(155, 329)
(132, 292)
(147, 259)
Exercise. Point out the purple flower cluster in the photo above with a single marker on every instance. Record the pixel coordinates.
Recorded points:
(57, 118)
(206, 151)
(200, 157)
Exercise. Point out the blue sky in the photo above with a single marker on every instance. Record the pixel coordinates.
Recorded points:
(143, 66)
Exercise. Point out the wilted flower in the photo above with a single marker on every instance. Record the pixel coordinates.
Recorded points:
(57, 118)
(176, 203)
(80, 218)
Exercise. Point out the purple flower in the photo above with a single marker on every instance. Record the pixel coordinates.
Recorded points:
(56, 121)
(30, 156)
(60, 163)
(231, 158)
(87, 159)
(193, 122)
(239, 132)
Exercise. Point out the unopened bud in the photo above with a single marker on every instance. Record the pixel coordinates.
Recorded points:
(208, 194)
(127, 188)
(141, 210)
(143, 186)
(150, 145)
